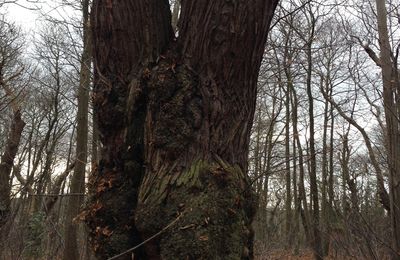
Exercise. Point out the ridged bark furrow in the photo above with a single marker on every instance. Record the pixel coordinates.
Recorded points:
(164, 105)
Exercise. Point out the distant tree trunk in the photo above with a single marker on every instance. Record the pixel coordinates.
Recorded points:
(291, 115)
(267, 164)
(313, 161)
(344, 163)
(264, 143)
(71, 248)
(257, 152)
(174, 120)
(297, 202)
(288, 202)
(51, 201)
(258, 174)
(331, 166)
(303, 208)
(331, 195)
(7, 163)
(57, 186)
(325, 210)
(44, 176)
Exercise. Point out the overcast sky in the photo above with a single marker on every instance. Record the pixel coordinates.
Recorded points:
(22, 16)
(30, 19)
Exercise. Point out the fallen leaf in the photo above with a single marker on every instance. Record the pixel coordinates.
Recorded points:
(107, 231)
(203, 238)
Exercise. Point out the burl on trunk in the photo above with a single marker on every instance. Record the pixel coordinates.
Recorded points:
(174, 116)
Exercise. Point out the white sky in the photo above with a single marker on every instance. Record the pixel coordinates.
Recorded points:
(30, 19)
(22, 16)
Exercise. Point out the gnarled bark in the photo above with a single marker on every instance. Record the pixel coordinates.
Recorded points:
(174, 119)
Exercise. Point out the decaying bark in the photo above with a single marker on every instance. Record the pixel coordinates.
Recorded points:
(174, 117)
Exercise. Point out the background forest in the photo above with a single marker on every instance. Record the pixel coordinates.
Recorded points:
(324, 145)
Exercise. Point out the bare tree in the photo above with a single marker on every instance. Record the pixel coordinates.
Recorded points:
(10, 70)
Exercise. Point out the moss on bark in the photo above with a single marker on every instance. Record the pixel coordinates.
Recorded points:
(217, 209)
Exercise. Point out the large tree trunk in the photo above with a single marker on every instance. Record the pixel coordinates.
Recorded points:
(174, 120)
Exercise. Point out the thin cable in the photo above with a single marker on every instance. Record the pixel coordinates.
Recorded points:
(149, 239)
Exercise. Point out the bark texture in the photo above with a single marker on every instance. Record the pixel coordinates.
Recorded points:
(174, 120)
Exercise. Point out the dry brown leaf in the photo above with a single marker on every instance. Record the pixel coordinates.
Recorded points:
(107, 231)
(203, 238)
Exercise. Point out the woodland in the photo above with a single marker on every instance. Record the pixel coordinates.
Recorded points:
(213, 129)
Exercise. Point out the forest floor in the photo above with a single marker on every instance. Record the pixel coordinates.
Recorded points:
(303, 255)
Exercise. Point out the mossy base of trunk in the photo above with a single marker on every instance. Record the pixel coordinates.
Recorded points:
(216, 207)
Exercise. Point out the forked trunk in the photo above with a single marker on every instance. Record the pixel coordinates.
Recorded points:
(174, 120)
